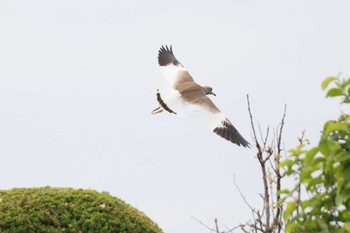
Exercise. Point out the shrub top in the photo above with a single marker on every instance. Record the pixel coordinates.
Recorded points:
(50, 210)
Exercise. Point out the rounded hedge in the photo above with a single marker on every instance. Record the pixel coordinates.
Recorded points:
(46, 209)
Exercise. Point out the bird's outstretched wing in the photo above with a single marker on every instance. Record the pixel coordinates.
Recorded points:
(170, 67)
(206, 111)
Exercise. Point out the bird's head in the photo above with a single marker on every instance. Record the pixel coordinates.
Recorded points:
(209, 90)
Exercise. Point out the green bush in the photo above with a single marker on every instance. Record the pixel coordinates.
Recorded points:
(320, 201)
(46, 209)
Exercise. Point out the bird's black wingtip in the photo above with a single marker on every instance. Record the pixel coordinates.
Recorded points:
(230, 133)
(166, 56)
(246, 144)
(166, 48)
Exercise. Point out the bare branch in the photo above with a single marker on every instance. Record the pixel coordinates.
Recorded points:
(216, 226)
(268, 157)
(232, 229)
(260, 131)
(279, 137)
(211, 229)
(240, 192)
(277, 218)
(268, 220)
(252, 124)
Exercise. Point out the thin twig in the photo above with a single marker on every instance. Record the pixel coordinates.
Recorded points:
(211, 229)
(216, 226)
(252, 124)
(267, 158)
(232, 229)
(240, 192)
(281, 128)
(277, 218)
(260, 131)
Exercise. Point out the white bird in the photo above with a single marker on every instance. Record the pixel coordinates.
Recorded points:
(187, 91)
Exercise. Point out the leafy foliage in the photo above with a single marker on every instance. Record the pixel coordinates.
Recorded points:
(342, 88)
(320, 200)
(51, 210)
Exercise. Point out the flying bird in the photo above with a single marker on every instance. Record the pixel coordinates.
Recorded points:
(186, 91)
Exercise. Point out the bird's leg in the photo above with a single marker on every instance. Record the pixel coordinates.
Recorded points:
(157, 110)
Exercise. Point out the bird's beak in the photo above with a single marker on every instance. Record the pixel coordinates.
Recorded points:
(213, 93)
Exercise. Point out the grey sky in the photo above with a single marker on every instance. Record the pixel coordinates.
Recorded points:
(78, 82)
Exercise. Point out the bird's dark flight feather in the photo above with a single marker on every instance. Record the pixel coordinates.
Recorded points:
(166, 57)
(230, 133)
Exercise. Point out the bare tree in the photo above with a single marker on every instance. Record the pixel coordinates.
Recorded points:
(268, 219)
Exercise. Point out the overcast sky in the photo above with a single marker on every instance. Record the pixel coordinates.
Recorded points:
(78, 82)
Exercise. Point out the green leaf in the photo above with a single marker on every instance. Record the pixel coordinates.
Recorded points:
(294, 152)
(342, 157)
(335, 127)
(335, 92)
(326, 82)
(316, 162)
(307, 203)
(310, 155)
(347, 226)
(347, 174)
(340, 197)
(291, 206)
(306, 173)
(291, 227)
(284, 191)
(313, 183)
(328, 123)
(345, 83)
(287, 163)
